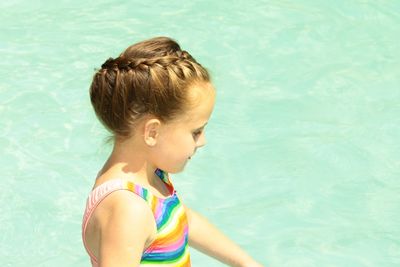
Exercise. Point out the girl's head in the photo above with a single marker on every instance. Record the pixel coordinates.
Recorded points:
(151, 81)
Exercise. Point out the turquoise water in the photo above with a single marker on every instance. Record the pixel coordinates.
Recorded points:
(302, 164)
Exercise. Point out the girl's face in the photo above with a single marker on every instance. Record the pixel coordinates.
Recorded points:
(179, 140)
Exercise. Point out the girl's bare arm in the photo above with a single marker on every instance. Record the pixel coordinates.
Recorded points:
(124, 230)
(206, 238)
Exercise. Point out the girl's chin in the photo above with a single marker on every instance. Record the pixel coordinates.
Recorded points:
(180, 168)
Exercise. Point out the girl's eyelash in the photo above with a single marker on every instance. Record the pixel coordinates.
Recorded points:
(197, 133)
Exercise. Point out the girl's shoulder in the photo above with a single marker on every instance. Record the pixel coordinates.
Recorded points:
(117, 198)
(124, 200)
(124, 210)
(121, 222)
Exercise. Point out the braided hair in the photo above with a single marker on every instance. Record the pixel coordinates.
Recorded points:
(149, 77)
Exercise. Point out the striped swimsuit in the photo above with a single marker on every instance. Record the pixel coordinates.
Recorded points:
(170, 247)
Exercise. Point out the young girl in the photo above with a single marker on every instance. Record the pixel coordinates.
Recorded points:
(156, 100)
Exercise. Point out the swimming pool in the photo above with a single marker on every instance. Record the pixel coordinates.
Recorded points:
(302, 162)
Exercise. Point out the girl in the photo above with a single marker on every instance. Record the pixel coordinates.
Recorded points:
(156, 100)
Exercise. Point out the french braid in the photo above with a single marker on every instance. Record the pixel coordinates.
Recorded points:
(150, 77)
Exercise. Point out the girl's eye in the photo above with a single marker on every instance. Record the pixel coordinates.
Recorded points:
(196, 134)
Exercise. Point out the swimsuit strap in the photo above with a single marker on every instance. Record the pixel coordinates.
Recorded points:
(165, 178)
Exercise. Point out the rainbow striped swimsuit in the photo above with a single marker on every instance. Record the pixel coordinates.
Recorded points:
(170, 247)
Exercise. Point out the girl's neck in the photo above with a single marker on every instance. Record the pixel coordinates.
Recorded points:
(128, 163)
(143, 175)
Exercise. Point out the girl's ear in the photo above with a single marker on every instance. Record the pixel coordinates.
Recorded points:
(151, 131)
